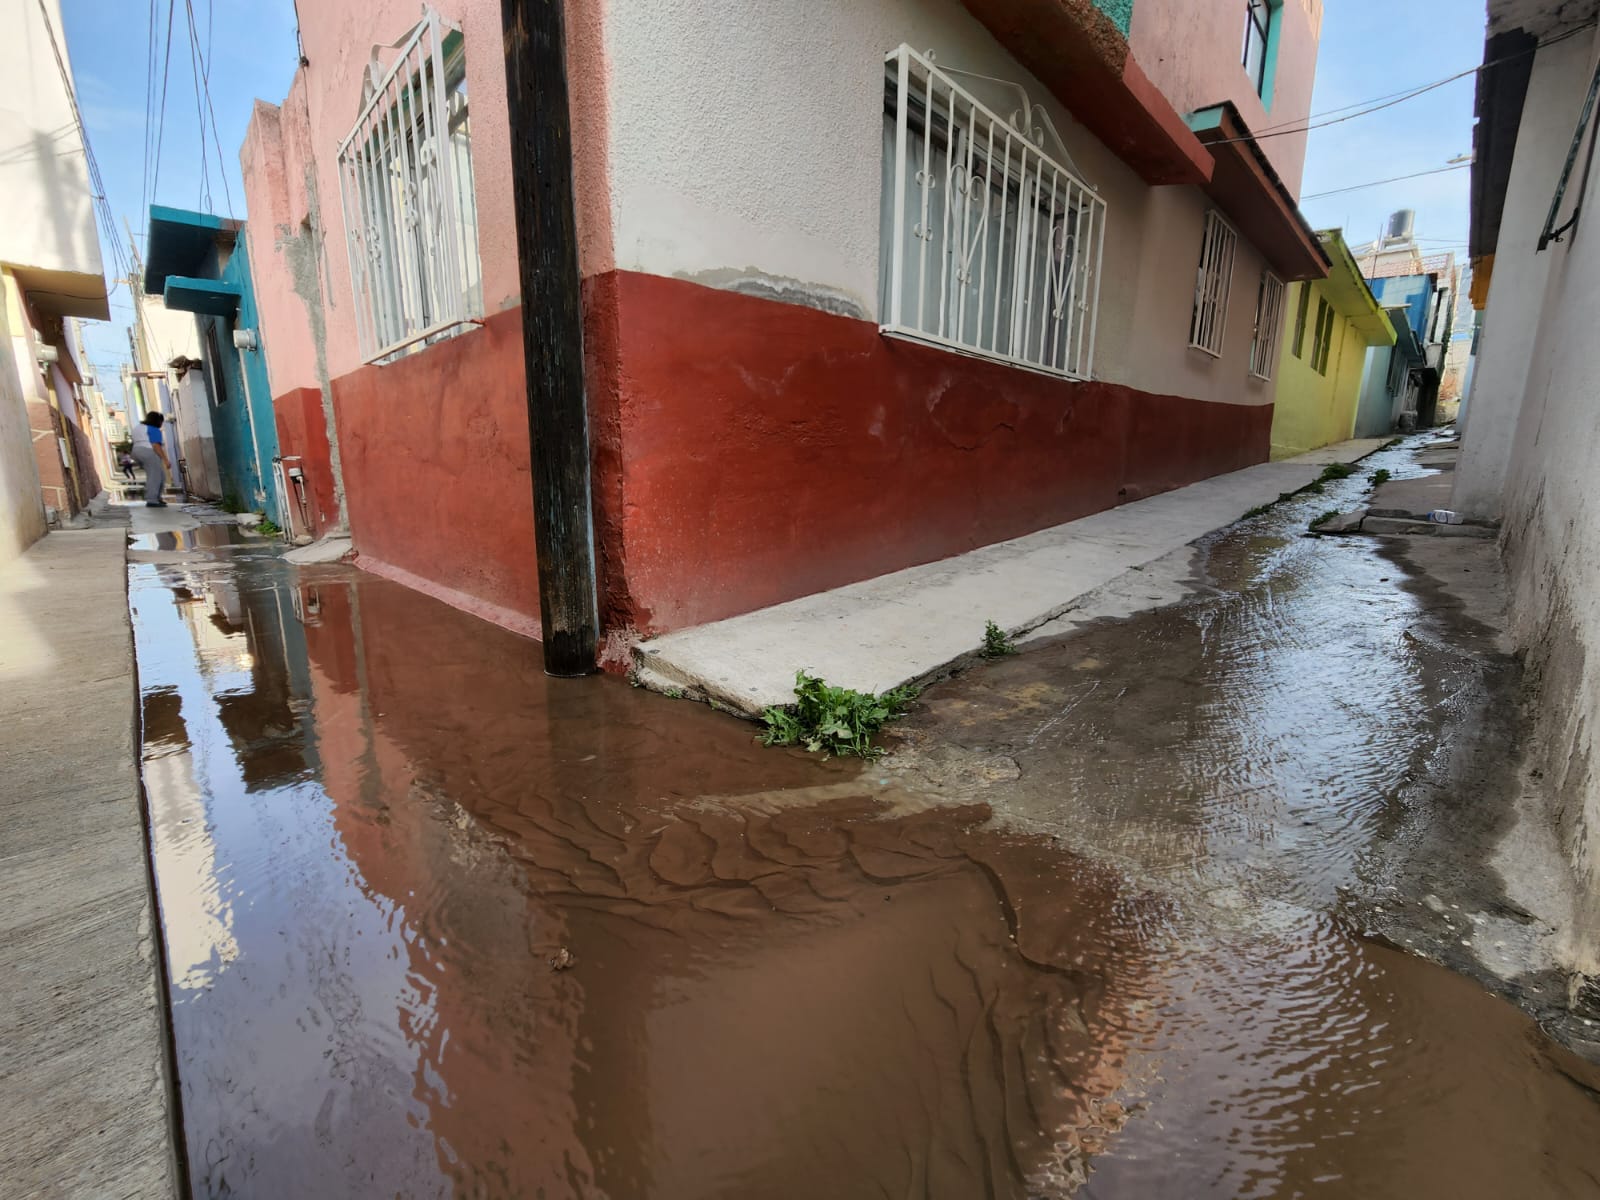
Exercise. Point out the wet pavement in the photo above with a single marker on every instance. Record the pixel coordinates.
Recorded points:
(439, 926)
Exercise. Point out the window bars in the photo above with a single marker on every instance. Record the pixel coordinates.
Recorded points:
(991, 246)
(1213, 280)
(405, 175)
(1269, 323)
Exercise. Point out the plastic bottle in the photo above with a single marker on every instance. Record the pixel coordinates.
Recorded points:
(1443, 516)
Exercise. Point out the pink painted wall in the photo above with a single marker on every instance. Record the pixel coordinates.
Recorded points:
(323, 103)
(1191, 50)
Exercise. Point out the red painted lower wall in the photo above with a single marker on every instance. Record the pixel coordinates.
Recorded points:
(303, 433)
(750, 451)
(745, 452)
(436, 471)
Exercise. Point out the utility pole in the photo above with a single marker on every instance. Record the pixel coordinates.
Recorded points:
(552, 331)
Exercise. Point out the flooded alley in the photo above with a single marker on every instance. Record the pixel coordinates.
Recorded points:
(437, 925)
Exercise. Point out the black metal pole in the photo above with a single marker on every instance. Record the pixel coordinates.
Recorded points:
(552, 330)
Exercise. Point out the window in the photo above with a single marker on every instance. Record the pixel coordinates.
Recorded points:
(1269, 323)
(1300, 321)
(219, 376)
(1213, 281)
(1323, 339)
(410, 213)
(989, 245)
(1397, 371)
(1257, 23)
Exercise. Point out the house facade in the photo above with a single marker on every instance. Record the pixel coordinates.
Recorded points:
(864, 286)
(1331, 327)
(199, 265)
(1528, 425)
(50, 273)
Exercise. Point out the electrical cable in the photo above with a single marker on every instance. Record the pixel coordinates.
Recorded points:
(1402, 97)
(1356, 187)
(161, 120)
(204, 202)
(216, 140)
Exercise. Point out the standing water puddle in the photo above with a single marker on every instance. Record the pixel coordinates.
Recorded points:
(439, 926)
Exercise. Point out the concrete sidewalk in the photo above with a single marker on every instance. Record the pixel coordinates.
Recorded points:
(84, 1093)
(905, 626)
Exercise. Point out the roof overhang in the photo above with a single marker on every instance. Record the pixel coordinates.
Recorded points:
(179, 243)
(1405, 337)
(1081, 55)
(212, 297)
(64, 293)
(1245, 186)
(1347, 291)
(1497, 109)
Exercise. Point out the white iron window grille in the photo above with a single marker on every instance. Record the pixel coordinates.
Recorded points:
(1213, 281)
(990, 246)
(1269, 323)
(410, 214)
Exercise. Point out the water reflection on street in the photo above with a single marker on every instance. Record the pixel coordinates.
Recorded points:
(439, 926)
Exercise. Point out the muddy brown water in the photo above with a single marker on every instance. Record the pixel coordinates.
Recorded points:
(439, 926)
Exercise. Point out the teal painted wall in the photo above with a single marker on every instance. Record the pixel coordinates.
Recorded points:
(242, 476)
(1120, 12)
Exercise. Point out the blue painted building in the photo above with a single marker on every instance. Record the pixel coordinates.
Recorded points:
(1400, 384)
(200, 263)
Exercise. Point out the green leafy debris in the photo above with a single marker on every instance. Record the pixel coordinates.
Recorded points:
(997, 642)
(833, 720)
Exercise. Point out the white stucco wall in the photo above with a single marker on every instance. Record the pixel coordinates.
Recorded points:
(21, 508)
(1521, 277)
(746, 146)
(1533, 418)
(49, 221)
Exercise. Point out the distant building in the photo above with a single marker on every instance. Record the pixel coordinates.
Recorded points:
(50, 272)
(1331, 327)
(1402, 385)
(199, 264)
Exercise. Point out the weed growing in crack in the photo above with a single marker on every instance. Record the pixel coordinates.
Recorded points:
(1336, 471)
(268, 527)
(833, 720)
(997, 642)
(1327, 516)
(1379, 477)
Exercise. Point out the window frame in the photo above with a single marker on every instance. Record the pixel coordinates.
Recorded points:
(1270, 294)
(415, 269)
(1324, 336)
(1261, 30)
(1043, 318)
(1298, 347)
(1213, 287)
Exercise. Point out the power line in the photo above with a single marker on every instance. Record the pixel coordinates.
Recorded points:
(205, 85)
(1401, 97)
(204, 202)
(1356, 187)
(161, 120)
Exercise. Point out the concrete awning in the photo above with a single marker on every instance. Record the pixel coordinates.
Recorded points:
(1405, 337)
(180, 244)
(1245, 186)
(210, 296)
(1347, 290)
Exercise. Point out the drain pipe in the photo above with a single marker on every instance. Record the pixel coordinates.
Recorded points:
(243, 340)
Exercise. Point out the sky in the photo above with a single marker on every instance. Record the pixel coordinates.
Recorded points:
(1372, 48)
(249, 53)
(1369, 49)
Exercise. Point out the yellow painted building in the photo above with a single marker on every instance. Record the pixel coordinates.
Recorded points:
(1329, 324)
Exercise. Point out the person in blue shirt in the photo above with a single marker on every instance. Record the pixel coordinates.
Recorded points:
(151, 454)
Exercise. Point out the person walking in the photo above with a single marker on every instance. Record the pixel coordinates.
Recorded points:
(151, 454)
(125, 461)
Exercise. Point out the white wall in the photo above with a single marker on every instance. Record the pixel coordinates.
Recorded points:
(1549, 423)
(746, 147)
(49, 223)
(21, 507)
(1517, 289)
